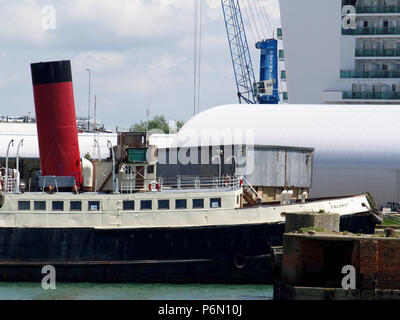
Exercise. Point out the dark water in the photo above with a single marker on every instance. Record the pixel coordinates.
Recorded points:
(133, 291)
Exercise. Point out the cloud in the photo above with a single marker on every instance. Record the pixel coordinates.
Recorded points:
(130, 46)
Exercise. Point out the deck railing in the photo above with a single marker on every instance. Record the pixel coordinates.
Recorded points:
(183, 182)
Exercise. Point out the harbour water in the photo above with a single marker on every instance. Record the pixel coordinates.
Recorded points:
(134, 291)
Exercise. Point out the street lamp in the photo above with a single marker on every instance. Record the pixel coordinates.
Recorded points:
(11, 143)
(109, 145)
(20, 144)
(88, 120)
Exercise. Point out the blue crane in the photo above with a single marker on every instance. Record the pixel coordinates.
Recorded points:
(264, 91)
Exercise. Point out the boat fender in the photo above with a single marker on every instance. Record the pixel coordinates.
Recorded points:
(227, 181)
(240, 261)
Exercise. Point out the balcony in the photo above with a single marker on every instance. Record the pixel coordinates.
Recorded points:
(371, 95)
(352, 74)
(377, 9)
(377, 52)
(371, 31)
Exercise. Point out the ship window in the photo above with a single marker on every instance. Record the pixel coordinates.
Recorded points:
(180, 204)
(163, 204)
(94, 205)
(150, 169)
(215, 203)
(128, 205)
(24, 205)
(198, 203)
(75, 205)
(39, 205)
(145, 205)
(58, 205)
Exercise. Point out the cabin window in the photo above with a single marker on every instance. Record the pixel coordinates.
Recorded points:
(150, 169)
(24, 205)
(76, 206)
(145, 205)
(215, 203)
(198, 203)
(39, 205)
(163, 204)
(180, 204)
(128, 205)
(57, 206)
(94, 205)
(237, 199)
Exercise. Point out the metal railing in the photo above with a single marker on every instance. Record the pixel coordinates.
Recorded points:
(348, 74)
(360, 31)
(378, 9)
(182, 183)
(377, 52)
(247, 185)
(390, 95)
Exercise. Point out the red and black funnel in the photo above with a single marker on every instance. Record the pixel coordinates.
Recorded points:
(56, 119)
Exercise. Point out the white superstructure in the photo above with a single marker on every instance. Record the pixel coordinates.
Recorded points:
(342, 51)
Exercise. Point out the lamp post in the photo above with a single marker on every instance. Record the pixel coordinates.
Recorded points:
(234, 163)
(8, 149)
(109, 144)
(98, 148)
(20, 144)
(88, 121)
(220, 153)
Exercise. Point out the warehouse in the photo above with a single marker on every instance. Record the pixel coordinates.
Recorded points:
(357, 147)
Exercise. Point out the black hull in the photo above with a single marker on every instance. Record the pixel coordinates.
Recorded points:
(215, 254)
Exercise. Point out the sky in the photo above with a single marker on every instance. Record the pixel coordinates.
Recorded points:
(140, 53)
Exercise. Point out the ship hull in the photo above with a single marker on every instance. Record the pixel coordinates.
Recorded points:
(207, 254)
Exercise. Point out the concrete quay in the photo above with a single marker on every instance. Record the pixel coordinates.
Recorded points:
(321, 263)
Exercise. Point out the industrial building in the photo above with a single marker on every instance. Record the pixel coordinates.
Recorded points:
(356, 146)
(93, 145)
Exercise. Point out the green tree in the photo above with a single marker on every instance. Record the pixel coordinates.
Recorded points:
(158, 122)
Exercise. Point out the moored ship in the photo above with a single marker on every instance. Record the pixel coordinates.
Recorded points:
(143, 229)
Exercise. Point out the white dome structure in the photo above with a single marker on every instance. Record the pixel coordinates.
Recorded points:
(357, 147)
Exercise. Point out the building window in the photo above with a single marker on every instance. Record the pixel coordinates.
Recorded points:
(180, 204)
(24, 205)
(57, 206)
(75, 206)
(128, 205)
(198, 203)
(94, 205)
(145, 205)
(163, 204)
(215, 203)
(39, 205)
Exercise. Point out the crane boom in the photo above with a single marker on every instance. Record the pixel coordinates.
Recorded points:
(240, 54)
